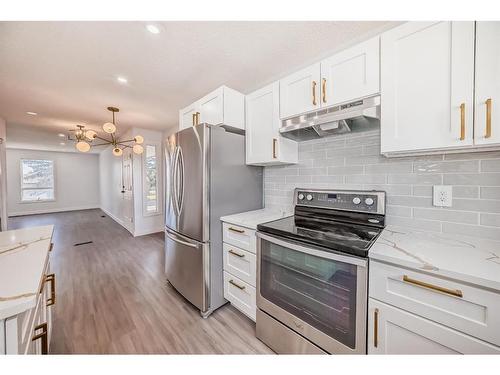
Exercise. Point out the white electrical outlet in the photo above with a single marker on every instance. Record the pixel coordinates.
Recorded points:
(442, 196)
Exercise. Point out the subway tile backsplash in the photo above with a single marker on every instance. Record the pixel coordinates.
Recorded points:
(353, 161)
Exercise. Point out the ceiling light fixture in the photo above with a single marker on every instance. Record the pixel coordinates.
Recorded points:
(84, 138)
(153, 29)
(62, 135)
(62, 144)
(122, 79)
(32, 113)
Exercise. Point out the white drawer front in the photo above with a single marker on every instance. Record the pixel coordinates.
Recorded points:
(240, 263)
(476, 312)
(241, 237)
(240, 294)
(395, 331)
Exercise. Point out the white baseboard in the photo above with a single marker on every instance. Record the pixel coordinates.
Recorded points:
(117, 220)
(146, 232)
(50, 210)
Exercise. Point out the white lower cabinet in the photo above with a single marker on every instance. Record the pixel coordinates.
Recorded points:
(394, 331)
(240, 294)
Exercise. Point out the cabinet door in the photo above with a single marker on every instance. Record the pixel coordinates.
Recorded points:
(395, 331)
(300, 92)
(487, 119)
(187, 116)
(351, 74)
(262, 124)
(427, 76)
(211, 107)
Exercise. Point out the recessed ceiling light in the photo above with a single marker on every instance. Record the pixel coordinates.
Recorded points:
(62, 144)
(122, 79)
(32, 113)
(62, 135)
(153, 29)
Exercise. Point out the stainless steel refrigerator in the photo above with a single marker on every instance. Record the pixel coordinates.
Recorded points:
(206, 178)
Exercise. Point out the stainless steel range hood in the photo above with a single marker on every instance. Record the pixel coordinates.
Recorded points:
(356, 116)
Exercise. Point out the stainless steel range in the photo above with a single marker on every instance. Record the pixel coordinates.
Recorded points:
(312, 272)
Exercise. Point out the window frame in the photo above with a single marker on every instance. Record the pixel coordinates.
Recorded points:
(21, 189)
(158, 211)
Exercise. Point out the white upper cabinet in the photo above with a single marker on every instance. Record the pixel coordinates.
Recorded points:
(300, 91)
(487, 113)
(427, 86)
(264, 144)
(351, 74)
(223, 106)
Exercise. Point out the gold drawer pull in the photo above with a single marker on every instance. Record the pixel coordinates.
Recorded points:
(52, 279)
(51, 246)
(43, 336)
(462, 121)
(314, 92)
(453, 292)
(488, 119)
(240, 287)
(236, 230)
(237, 254)
(375, 328)
(274, 148)
(324, 90)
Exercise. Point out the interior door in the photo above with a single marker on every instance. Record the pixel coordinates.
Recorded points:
(191, 184)
(300, 92)
(351, 74)
(427, 84)
(127, 190)
(487, 114)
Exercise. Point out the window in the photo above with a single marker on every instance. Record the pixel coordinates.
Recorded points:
(151, 199)
(37, 180)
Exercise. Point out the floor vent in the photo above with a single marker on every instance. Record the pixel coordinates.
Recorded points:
(103, 215)
(83, 243)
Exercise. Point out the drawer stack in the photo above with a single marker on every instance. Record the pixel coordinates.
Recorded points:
(240, 267)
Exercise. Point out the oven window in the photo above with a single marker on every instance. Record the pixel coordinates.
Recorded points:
(320, 291)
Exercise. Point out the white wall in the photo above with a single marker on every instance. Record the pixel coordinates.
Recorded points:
(111, 185)
(3, 177)
(76, 179)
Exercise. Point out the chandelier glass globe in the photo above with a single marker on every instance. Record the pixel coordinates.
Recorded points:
(109, 127)
(117, 151)
(82, 146)
(138, 149)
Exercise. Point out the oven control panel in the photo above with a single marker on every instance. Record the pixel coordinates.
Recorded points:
(355, 200)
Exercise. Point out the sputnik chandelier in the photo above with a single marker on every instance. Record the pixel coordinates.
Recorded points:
(84, 138)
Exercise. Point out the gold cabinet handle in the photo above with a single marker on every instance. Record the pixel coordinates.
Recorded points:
(274, 148)
(236, 254)
(375, 328)
(52, 279)
(236, 230)
(453, 292)
(43, 336)
(462, 121)
(240, 287)
(324, 90)
(488, 119)
(194, 119)
(314, 92)
(197, 118)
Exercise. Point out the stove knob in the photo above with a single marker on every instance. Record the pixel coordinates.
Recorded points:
(356, 200)
(301, 196)
(309, 197)
(369, 201)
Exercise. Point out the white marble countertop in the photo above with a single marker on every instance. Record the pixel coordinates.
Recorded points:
(251, 219)
(23, 256)
(464, 258)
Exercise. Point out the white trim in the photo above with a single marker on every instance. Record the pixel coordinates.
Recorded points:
(51, 210)
(146, 232)
(117, 220)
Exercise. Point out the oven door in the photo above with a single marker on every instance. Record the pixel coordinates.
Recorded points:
(320, 295)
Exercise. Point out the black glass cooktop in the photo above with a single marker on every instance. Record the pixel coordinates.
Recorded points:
(331, 234)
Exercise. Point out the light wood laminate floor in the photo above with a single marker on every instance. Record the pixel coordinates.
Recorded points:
(112, 296)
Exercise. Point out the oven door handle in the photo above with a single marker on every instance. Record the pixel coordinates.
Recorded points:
(318, 253)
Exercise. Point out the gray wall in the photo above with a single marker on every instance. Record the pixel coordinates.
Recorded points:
(353, 161)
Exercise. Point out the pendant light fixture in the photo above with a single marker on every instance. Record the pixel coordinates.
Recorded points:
(84, 138)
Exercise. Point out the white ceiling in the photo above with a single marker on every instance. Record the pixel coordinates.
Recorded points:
(66, 71)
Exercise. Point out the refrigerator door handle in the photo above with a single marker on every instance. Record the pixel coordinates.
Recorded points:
(175, 182)
(169, 235)
(180, 162)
